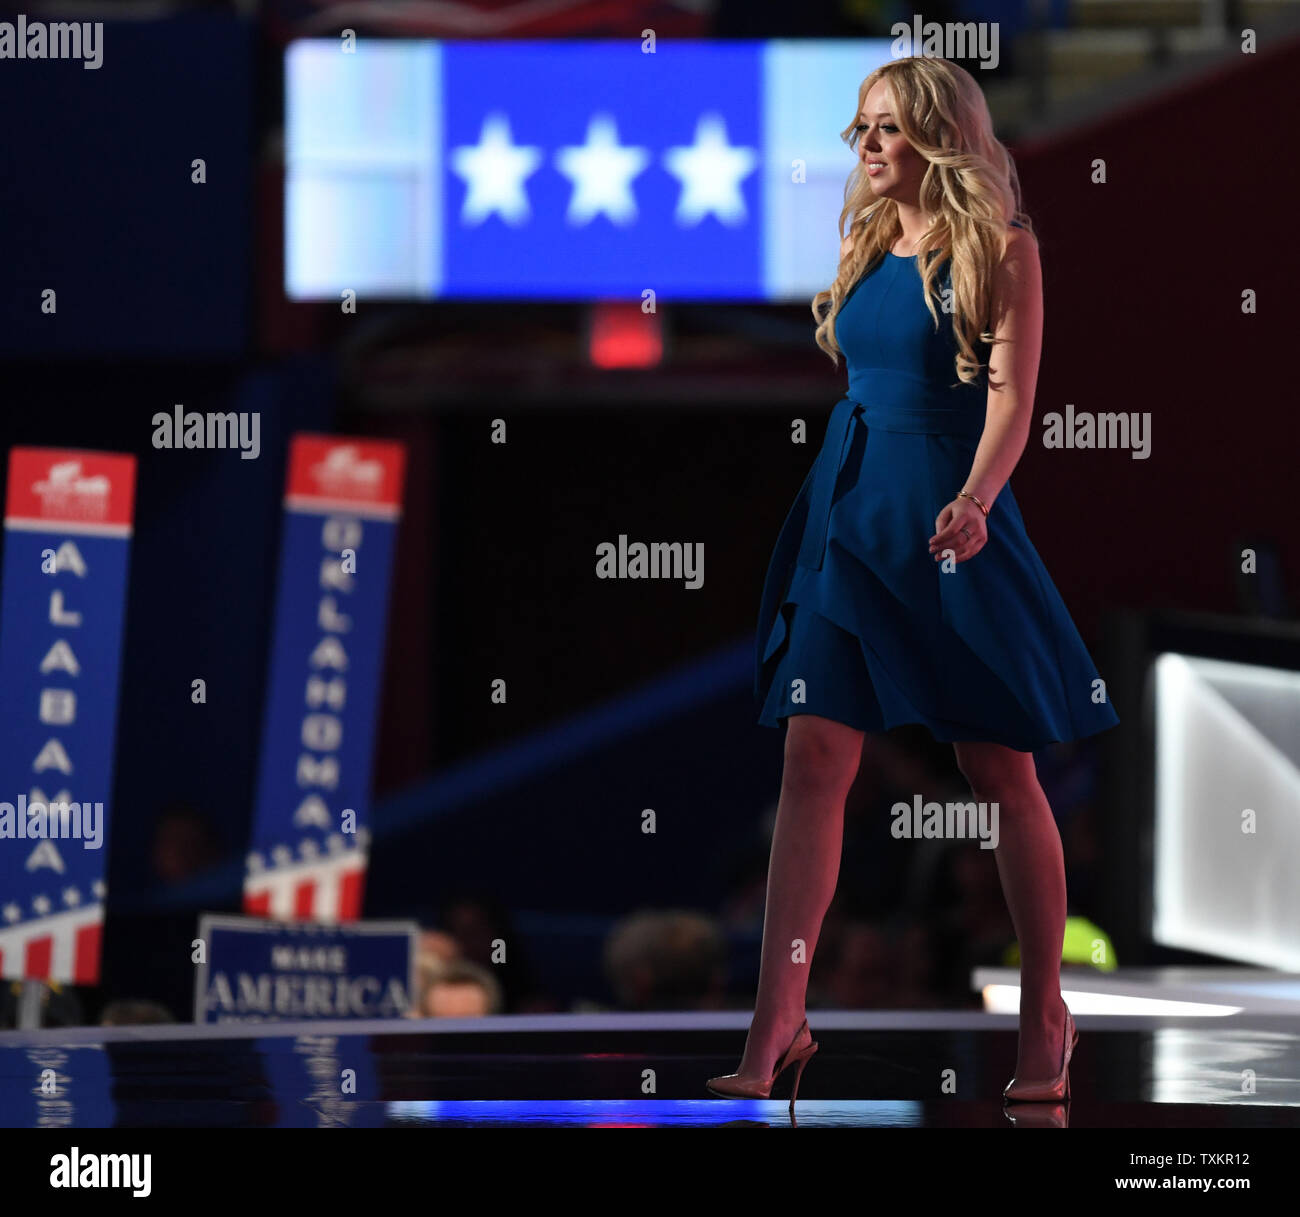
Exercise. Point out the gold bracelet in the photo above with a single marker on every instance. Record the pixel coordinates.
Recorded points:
(961, 494)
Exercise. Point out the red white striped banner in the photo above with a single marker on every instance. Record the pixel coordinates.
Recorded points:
(63, 946)
(320, 889)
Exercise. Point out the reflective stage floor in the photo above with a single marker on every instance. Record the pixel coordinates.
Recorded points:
(892, 1068)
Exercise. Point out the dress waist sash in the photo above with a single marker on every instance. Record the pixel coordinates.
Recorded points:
(888, 401)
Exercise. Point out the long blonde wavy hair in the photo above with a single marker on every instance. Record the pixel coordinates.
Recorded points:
(970, 189)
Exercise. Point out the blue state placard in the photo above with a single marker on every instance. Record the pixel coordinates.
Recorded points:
(307, 853)
(67, 543)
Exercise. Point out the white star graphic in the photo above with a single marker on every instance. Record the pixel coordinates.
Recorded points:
(100, 888)
(309, 849)
(256, 863)
(282, 855)
(71, 897)
(335, 843)
(495, 169)
(12, 912)
(41, 905)
(711, 171)
(601, 171)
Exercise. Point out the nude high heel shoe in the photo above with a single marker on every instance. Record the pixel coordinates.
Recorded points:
(733, 1086)
(1055, 1090)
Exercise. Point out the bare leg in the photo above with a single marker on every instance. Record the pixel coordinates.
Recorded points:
(1032, 869)
(821, 761)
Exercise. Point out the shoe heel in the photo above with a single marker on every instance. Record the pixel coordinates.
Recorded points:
(794, 1094)
(1074, 1043)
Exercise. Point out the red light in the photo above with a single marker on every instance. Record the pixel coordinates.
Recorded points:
(622, 336)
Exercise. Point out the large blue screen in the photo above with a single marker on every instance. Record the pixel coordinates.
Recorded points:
(567, 170)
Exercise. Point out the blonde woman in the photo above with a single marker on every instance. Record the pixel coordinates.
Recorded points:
(903, 587)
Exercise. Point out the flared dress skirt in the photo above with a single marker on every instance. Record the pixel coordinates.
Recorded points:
(861, 625)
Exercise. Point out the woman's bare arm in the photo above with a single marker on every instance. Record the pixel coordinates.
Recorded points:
(1013, 367)
(960, 529)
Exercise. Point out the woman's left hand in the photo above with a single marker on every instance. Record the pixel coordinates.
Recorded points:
(961, 527)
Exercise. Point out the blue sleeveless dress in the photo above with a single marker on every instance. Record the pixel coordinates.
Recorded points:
(858, 622)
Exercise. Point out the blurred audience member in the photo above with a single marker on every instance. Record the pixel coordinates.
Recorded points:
(670, 960)
(1068, 774)
(970, 919)
(916, 963)
(456, 988)
(129, 1012)
(746, 885)
(184, 844)
(872, 965)
(436, 944)
(854, 968)
(484, 934)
